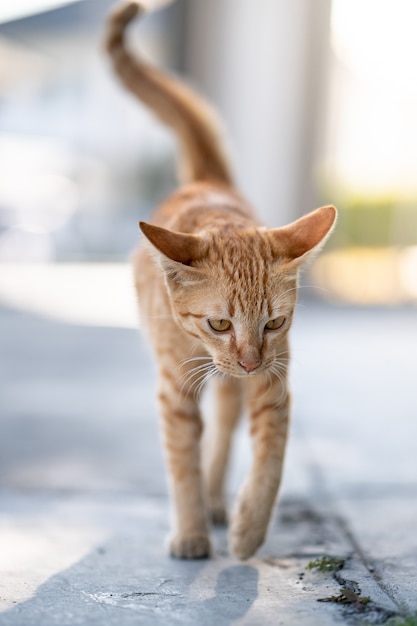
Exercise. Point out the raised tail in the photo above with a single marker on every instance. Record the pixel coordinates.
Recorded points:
(177, 106)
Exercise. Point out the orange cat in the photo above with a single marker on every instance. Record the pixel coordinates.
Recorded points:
(217, 292)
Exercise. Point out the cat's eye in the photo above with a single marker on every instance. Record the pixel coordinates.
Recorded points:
(220, 325)
(276, 323)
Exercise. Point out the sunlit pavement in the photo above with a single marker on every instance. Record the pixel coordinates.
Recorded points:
(84, 510)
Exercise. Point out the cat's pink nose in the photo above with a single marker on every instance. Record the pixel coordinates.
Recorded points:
(250, 365)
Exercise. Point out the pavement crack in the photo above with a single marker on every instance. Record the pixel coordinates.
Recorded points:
(352, 585)
(372, 569)
(139, 594)
(354, 604)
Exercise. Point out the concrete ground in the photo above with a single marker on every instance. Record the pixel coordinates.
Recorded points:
(83, 499)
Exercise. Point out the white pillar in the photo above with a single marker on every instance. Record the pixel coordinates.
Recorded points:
(261, 63)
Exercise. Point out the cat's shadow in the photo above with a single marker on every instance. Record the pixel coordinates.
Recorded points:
(236, 591)
(150, 587)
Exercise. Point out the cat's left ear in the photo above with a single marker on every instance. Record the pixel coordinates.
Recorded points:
(298, 241)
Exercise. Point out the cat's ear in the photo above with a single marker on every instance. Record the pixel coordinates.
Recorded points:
(299, 240)
(182, 248)
(176, 252)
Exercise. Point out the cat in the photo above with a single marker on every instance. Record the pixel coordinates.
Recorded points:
(217, 292)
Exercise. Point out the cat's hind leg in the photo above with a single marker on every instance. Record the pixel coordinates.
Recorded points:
(228, 406)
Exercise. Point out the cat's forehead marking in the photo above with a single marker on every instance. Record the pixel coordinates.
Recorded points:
(245, 262)
(249, 300)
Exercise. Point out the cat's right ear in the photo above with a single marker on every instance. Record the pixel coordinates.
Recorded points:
(179, 247)
(178, 251)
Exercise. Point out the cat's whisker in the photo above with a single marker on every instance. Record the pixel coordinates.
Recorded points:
(281, 359)
(192, 369)
(199, 376)
(193, 358)
(269, 376)
(186, 362)
(281, 295)
(198, 372)
(319, 287)
(188, 376)
(205, 379)
(281, 366)
(283, 353)
(283, 382)
(195, 372)
(303, 287)
(200, 368)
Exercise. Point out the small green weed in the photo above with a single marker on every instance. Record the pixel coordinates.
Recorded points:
(326, 564)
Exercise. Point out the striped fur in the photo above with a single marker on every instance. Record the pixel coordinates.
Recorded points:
(206, 258)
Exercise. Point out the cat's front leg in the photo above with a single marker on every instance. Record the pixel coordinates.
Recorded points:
(269, 415)
(182, 428)
(228, 408)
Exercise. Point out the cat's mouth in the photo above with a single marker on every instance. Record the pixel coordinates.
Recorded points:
(239, 371)
(272, 367)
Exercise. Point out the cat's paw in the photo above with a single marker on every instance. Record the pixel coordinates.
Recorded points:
(247, 533)
(194, 547)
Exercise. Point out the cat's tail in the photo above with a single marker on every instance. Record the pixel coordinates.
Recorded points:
(176, 105)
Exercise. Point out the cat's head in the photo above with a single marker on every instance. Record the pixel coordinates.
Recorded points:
(236, 291)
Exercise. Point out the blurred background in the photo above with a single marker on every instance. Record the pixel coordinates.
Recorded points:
(319, 105)
(319, 102)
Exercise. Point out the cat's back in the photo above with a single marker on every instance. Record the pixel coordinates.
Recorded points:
(201, 206)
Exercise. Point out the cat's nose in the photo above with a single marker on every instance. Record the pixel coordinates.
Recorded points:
(250, 365)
